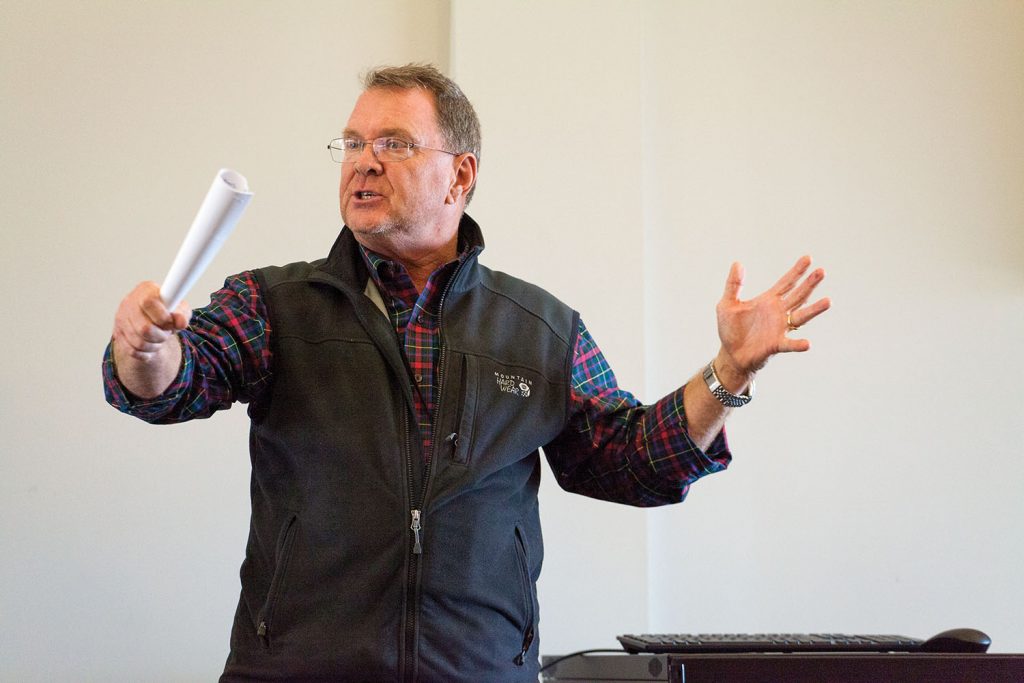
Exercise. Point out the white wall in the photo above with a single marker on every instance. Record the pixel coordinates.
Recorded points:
(876, 486)
(121, 542)
(644, 147)
(556, 210)
(631, 152)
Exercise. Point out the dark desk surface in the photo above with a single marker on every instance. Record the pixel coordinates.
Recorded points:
(900, 667)
(790, 668)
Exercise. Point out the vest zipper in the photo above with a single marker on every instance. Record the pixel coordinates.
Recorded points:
(417, 504)
(417, 547)
(409, 663)
(416, 510)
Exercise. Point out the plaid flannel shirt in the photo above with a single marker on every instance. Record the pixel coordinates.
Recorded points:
(612, 448)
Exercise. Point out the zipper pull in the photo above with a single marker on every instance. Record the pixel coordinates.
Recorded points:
(417, 548)
(520, 658)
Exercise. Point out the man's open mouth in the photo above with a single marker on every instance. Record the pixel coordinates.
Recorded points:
(365, 194)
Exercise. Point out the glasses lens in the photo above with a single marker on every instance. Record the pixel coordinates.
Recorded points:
(337, 149)
(392, 149)
(348, 150)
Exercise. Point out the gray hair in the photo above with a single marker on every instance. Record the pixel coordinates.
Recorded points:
(455, 115)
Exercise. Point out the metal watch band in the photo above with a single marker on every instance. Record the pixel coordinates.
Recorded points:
(724, 397)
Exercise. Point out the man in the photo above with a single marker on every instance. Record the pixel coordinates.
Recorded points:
(396, 421)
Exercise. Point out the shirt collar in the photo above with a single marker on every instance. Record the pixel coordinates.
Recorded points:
(391, 277)
(348, 262)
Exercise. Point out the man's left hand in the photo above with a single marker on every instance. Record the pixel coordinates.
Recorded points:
(754, 330)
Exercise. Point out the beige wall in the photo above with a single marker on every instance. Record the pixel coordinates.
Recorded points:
(632, 150)
(876, 481)
(121, 542)
(558, 210)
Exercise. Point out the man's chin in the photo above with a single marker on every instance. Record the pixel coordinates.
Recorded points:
(365, 225)
(372, 229)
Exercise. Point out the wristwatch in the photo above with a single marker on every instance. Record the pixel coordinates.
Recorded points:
(724, 397)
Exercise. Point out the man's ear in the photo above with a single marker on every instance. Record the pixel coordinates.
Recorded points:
(463, 178)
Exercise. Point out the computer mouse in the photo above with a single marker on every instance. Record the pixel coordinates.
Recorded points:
(960, 640)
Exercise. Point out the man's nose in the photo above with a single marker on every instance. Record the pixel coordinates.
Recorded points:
(367, 162)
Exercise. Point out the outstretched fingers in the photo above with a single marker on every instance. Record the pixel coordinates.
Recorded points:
(753, 331)
(788, 345)
(788, 281)
(799, 295)
(734, 283)
(800, 317)
(793, 290)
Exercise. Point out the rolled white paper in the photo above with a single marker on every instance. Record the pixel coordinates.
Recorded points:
(223, 206)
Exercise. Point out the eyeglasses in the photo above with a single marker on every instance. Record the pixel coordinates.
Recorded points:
(348, 150)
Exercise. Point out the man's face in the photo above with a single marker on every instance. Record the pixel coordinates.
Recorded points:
(398, 202)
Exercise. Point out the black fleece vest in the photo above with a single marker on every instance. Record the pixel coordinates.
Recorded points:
(334, 586)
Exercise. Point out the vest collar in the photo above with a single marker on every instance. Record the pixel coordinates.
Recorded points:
(345, 263)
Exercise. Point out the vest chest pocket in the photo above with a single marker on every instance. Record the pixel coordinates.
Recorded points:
(502, 411)
(461, 441)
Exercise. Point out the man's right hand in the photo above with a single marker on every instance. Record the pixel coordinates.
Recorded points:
(147, 352)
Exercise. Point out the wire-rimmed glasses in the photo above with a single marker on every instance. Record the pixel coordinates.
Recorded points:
(348, 150)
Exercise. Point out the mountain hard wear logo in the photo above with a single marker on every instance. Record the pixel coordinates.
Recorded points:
(513, 384)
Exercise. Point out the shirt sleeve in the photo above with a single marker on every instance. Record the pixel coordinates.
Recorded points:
(226, 357)
(614, 448)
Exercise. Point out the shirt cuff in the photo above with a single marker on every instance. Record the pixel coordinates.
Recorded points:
(148, 409)
(715, 458)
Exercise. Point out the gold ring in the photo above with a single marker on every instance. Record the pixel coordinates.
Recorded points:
(789, 323)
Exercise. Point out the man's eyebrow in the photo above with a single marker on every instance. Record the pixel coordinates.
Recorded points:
(386, 133)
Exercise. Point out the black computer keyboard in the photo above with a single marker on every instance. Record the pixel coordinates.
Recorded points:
(699, 643)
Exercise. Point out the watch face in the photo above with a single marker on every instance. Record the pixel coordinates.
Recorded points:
(709, 377)
(724, 397)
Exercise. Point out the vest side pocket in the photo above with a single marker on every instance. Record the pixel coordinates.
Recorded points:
(529, 599)
(265, 622)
